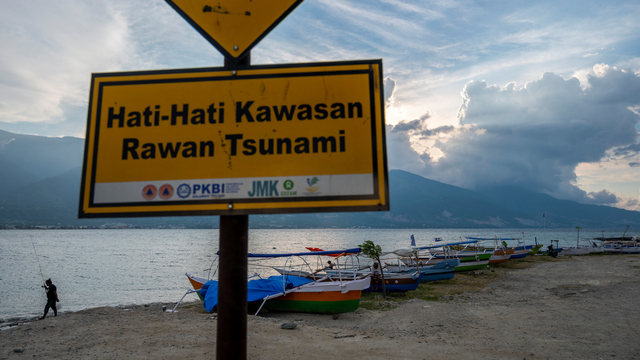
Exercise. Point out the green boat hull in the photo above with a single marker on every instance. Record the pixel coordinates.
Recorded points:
(471, 267)
(534, 250)
(483, 256)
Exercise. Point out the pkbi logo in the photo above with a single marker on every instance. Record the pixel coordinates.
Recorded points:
(200, 190)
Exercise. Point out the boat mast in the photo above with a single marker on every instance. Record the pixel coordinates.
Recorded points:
(544, 220)
(578, 238)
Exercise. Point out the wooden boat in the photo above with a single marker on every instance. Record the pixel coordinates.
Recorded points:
(621, 249)
(322, 294)
(533, 249)
(464, 256)
(443, 270)
(596, 249)
(325, 297)
(581, 250)
(519, 252)
(472, 265)
(500, 256)
(396, 282)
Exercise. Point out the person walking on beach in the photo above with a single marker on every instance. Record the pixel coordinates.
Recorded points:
(52, 298)
(375, 277)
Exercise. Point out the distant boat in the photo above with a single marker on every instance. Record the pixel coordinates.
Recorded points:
(396, 282)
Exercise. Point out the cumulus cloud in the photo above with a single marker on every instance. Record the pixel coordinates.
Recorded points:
(389, 91)
(534, 136)
(51, 48)
(48, 61)
(602, 197)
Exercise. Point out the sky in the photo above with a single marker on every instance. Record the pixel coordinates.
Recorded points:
(542, 95)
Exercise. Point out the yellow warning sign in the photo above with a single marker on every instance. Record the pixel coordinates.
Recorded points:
(234, 26)
(265, 139)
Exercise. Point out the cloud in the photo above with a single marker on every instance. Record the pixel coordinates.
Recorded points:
(50, 50)
(627, 151)
(629, 203)
(6, 142)
(532, 137)
(445, 129)
(602, 197)
(389, 91)
(48, 61)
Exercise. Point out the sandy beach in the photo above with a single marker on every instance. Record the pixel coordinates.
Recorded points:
(569, 308)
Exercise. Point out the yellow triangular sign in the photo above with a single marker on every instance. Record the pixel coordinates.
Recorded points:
(234, 26)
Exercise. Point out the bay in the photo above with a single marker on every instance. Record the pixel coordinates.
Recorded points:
(94, 268)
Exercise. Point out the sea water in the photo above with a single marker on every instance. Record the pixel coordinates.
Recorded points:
(93, 268)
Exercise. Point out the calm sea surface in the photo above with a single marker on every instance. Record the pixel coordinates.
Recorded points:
(94, 268)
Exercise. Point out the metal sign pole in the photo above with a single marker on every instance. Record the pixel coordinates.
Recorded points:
(232, 288)
(231, 340)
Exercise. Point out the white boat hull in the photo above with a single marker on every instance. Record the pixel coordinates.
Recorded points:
(575, 251)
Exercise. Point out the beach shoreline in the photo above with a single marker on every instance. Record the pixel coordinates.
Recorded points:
(579, 307)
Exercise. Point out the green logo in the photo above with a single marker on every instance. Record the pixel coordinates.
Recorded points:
(312, 181)
(288, 185)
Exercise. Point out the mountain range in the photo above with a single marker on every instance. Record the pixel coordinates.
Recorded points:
(40, 185)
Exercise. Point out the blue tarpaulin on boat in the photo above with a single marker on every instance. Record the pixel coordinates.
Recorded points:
(256, 289)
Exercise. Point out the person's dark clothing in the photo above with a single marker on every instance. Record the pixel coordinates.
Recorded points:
(51, 293)
(52, 297)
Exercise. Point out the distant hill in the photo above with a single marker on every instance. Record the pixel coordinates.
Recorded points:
(40, 182)
(13, 176)
(560, 213)
(40, 156)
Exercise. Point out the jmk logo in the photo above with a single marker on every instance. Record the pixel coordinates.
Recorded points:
(264, 188)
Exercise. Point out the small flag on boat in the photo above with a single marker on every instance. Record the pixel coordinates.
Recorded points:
(438, 239)
(413, 240)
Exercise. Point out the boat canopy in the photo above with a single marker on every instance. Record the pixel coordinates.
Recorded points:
(328, 252)
(448, 244)
(407, 251)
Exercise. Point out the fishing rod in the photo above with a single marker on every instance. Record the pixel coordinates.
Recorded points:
(41, 274)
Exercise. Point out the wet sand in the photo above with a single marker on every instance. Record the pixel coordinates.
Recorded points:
(572, 308)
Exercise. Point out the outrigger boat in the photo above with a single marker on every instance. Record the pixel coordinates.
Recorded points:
(447, 255)
(397, 282)
(498, 255)
(314, 293)
(444, 270)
